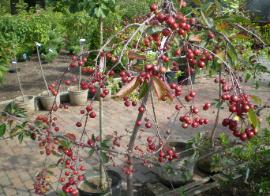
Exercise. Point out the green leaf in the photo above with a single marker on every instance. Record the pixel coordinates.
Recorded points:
(50, 172)
(155, 29)
(206, 20)
(53, 166)
(268, 120)
(91, 152)
(21, 136)
(252, 117)
(104, 157)
(93, 137)
(178, 74)
(105, 144)
(14, 110)
(247, 76)
(3, 128)
(61, 193)
(218, 103)
(56, 153)
(232, 54)
(197, 2)
(257, 84)
(99, 12)
(224, 139)
(65, 143)
(256, 99)
(144, 89)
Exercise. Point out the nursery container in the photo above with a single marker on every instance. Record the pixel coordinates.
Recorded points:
(77, 97)
(47, 100)
(116, 188)
(27, 103)
(181, 170)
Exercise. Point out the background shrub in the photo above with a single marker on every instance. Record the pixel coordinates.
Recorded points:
(79, 25)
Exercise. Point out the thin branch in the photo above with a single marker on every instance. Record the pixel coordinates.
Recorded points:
(252, 33)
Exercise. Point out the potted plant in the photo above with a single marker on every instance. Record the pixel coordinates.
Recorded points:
(24, 101)
(47, 97)
(78, 94)
(49, 56)
(179, 171)
(90, 186)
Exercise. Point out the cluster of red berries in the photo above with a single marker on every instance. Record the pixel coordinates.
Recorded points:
(88, 70)
(167, 154)
(41, 184)
(52, 89)
(128, 170)
(87, 111)
(240, 106)
(125, 76)
(151, 146)
(128, 102)
(192, 117)
(77, 62)
(178, 23)
(43, 119)
(72, 173)
(193, 122)
(176, 88)
(109, 57)
(69, 81)
(248, 133)
(151, 70)
(147, 121)
(48, 143)
(198, 57)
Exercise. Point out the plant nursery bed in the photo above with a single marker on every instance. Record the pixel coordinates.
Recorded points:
(200, 184)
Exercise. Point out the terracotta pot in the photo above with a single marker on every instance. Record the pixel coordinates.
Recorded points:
(77, 97)
(47, 100)
(27, 103)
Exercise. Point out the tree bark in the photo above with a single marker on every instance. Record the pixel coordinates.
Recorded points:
(42, 4)
(130, 186)
(31, 3)
(13, 3)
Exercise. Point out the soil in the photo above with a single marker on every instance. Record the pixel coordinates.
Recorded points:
(32, 82)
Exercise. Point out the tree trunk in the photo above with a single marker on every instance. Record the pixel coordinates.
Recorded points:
(31, 3)
(42, 4)
(13, 6)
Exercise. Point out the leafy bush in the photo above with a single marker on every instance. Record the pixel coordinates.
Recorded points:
(256, 154)
(79, 25)
(133, 8)
(19, 33)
